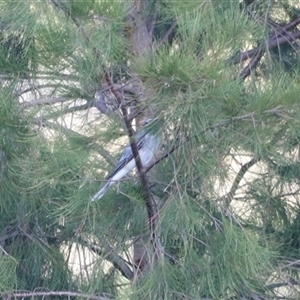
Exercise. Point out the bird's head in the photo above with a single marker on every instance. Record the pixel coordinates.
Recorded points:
(151, 125)
(147, 122)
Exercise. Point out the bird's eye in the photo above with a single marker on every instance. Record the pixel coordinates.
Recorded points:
(146, 122)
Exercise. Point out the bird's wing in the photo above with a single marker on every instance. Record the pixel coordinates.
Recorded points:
(127, 155)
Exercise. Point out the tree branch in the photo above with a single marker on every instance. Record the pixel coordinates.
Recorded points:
(290, 25)
(44, 101)
(235, 185)
(281, 284)
(278, 110)
(23, 295)
(37, 87)
(138, 48)
(140, 37)
(252, 65)
(273, 41)
(259, 51)
(118, 261)
(149, 201)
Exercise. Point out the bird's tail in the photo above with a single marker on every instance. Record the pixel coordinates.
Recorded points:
(101, 193)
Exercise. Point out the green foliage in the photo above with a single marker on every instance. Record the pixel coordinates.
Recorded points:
(236, 261)
(228, 231)
(42, 266)
(18, 49)
(7, 273)
(31, 193)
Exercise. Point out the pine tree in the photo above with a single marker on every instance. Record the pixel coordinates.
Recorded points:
(215, 215)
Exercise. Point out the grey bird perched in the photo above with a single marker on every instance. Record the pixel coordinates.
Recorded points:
(147, 141)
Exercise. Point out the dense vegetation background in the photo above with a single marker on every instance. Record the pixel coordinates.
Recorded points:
(216, 216)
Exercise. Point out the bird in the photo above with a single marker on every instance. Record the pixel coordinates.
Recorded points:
(147, 141)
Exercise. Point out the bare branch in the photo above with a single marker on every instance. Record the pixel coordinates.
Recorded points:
(44, 101)
(252, 65)
(281, 284)
(34, 87)
(278, 110)
(140, 42)
(291, 25)
(74, 108)
(273, 41)
(140, 37)
(109, 253)
(149, 201)
(235, 185)
(23, 295)
(258, 52)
